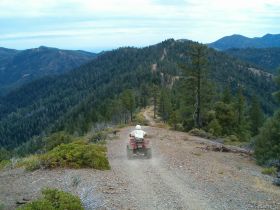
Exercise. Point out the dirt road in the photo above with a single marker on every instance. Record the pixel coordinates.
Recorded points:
(153, 184)
(180, 175)
(183, 176)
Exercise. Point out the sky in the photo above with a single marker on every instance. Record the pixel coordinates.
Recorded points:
(97, 25)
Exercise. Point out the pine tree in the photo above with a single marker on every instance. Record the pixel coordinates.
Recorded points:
(227, 96)
(240, 104)
(196, 84)
(155, 93)
(277, 81)
(267, 147)
(128, 101)
(256, 116)
(242, 125)
(165, 106)
(226, 117)
(144, 94)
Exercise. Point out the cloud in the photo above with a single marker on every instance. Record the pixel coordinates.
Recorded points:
(126, 22)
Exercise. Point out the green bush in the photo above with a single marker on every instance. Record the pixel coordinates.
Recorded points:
(201, 133)
(140, 119)
(98, 136)
(54, 199)
(231, 139)
(41, 204)
(270, 171)
(267, 145)
(4, 154)
(215, 128)
(2, 206)
(62, 200)
(56, 139)
(78, 154)
(30, 163)
(235, 141)
(4, 164)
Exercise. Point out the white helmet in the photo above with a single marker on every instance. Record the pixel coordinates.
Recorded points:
(138, 127)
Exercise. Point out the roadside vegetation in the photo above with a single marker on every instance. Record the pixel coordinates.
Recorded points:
(61, 150)
(78, 154)
(54, 199)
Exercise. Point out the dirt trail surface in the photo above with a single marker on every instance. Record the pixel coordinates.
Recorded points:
(180, 175)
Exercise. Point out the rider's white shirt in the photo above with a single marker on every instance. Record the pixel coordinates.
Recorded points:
(138, 134)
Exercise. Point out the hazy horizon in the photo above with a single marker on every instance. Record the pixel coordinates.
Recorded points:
(95, 26)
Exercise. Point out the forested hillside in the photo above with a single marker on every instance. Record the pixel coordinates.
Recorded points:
(239, 41)
(112, 86)
(19, 67)
(267, 58)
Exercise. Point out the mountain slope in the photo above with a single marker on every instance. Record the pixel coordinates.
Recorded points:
(6, 53)
(80, 98)
(239, 41)
(19, 67)
(267, 58)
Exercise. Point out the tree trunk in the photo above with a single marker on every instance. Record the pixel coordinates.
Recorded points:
(155, 106)
(198, 99)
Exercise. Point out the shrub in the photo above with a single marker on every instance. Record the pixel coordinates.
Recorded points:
(215, 128)
(41, 204)
(2, 206)
(270, 171)
(98, 136)
(140, 119)
(30, 163)
(200, 133)
(54, 199)
(267, 146)
(56, 139)
(231, 139)
(4, 164)
(4, 154)
(78, 154)
(273, 163)
(235, 141)
(62, 200)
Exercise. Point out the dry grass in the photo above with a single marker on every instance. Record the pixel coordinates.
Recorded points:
(265, 186)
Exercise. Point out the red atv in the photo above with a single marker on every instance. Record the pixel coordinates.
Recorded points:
(138, 147)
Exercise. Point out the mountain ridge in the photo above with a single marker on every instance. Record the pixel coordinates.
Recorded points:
(240, 41)
(18, 67)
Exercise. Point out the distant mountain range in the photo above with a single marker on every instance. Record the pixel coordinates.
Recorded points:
(20, 66)
(239, 41)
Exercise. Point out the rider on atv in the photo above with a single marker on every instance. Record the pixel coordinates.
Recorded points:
(138, 145)
(138, 132)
